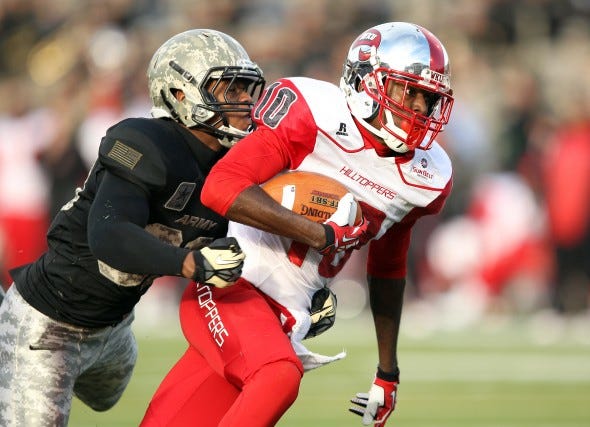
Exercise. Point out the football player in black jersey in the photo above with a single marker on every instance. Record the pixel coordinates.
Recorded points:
(65, 322)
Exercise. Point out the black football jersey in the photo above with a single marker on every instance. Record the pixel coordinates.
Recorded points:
(68, 283)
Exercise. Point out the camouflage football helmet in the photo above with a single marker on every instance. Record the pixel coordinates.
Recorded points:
(194, 62)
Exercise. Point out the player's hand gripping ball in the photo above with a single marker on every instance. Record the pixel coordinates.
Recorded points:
(322, 199)
(310, 194)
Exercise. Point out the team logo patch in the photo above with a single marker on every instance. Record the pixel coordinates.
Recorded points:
(422, 172)
(124, 155)
(181, 196)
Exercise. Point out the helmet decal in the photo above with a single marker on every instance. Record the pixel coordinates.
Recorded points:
(367, 40)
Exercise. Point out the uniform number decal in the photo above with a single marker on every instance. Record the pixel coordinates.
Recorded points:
(274, 106)
(329, 265)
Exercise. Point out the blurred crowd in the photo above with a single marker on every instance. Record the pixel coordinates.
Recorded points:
(514, 235)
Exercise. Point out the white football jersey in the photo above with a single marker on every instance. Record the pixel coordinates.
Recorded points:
(313, 119)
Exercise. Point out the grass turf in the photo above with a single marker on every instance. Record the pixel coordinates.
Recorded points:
(477, 377)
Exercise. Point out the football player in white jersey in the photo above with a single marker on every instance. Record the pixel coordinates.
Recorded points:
(376, 135)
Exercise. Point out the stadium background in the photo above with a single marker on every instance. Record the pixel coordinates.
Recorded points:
(492, 334)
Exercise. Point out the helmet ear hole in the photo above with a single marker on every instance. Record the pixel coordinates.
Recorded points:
(178, 94)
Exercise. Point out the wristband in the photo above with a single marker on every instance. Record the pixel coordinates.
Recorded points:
(199, 274)
(330, 236)
(388, 376)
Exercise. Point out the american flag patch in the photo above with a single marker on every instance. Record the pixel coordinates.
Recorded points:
(124, 154)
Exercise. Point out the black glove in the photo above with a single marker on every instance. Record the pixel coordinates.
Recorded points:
(220, 263)
(322, 313)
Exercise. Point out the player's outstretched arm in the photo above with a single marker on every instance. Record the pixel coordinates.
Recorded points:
(386, 300)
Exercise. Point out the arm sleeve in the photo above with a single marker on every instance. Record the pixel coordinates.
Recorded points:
(116, 233)
(388, 256)
(250, 162)
(286, 133)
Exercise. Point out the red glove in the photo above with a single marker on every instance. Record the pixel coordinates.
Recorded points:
(376, 405)
(341, 233)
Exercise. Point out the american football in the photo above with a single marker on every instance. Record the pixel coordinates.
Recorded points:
(312, 195)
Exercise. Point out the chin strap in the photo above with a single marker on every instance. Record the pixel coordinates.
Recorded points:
(390, 140)
(158, 113)
(362, 107)
(226, 134)
(229, 135)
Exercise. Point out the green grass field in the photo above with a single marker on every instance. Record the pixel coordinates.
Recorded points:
(479, 377)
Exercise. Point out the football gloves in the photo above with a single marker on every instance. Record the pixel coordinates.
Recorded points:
(220, 263)
(341, 233)
(376, 405)
(322, 313)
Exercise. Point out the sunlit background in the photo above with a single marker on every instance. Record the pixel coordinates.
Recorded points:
(513, 240)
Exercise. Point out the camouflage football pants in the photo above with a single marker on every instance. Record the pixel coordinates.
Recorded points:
(44, 362)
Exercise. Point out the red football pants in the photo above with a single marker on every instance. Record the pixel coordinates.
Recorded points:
(239, 370)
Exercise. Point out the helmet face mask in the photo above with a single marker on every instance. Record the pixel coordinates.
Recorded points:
(385, 67)
(417, 129)
(222, 91)
(196, 62)
(236, 80)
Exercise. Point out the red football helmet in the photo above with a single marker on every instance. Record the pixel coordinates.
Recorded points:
(404, 54)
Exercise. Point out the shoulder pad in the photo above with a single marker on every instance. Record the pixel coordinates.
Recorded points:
(129, 150)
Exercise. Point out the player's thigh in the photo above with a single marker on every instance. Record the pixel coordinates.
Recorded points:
(103, 382)
(234, 329)
(185, 395)
(40, 362)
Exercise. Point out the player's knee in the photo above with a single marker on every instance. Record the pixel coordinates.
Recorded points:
(98, 403)
(291, 379)
(102, 405)
(287, 378)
